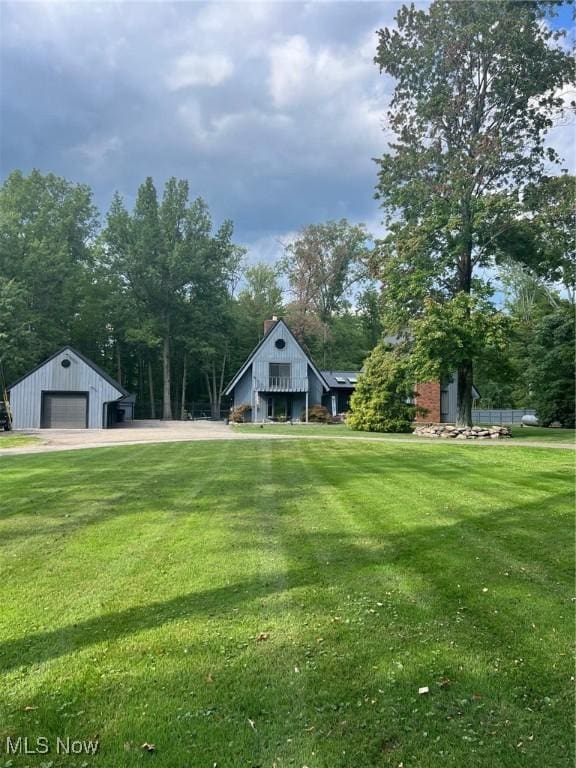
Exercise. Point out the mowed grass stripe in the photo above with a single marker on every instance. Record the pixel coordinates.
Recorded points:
(82, 540)
(485, 533)
(497, 617)
(365, 565)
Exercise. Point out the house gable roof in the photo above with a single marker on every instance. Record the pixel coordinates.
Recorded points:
(67, 348)
(252, 355)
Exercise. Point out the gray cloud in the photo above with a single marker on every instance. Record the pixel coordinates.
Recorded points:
(273, 111)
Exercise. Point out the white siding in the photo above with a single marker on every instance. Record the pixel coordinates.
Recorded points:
(26, 397)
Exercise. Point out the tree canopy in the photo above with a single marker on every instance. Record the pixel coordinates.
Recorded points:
(47, 225)
(477, 88)
(326, 267)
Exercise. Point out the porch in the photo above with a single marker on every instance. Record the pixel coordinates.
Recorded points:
(273, 405)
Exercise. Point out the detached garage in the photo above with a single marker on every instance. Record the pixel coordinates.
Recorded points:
(68, 391)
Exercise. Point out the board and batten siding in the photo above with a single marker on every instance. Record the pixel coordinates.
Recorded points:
(253, 387)
(316, 389)
(449, 399)
(269, 353)
(243, 390)
(26, 396)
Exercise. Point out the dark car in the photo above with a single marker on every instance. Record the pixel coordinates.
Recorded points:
(4, 419)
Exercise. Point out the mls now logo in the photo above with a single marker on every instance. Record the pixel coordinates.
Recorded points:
(23, 745)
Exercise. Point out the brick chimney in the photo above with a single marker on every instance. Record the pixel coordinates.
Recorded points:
(269, 323)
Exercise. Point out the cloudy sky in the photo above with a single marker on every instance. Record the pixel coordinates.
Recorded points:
(273, 111)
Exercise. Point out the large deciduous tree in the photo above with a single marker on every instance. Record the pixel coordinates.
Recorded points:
(259, 299)
(171, 264)
(541, 237)
(211, 309)
(47, 226)
(17, 336)
(477, 87)
(324, 265)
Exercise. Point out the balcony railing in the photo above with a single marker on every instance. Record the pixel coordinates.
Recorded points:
(281, 384)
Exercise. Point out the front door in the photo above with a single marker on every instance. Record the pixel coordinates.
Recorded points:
(277, 408)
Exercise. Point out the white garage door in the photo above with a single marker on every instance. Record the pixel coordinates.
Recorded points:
(64, 410)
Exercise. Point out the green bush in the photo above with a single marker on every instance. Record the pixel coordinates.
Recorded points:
(317, 414)
(381, 400)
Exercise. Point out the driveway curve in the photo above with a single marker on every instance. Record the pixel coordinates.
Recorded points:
(148, 431)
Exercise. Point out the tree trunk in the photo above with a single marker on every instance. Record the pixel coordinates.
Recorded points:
(215, 387)
(209, 382)
(183, 402)
(118, 364)
(141, 378)
(221, 387)
(464, 406)
(167, 384)
(151, 391)
(466, 368)
(216, 408)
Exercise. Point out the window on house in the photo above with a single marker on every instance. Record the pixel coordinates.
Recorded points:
(279, 370)
(340, 379)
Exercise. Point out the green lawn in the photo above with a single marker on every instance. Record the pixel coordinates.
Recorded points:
(9, 440)
(544, 434)
(325, 430)
(135, 582)
(539, 434)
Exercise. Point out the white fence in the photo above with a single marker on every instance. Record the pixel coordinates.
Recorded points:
(500, 415)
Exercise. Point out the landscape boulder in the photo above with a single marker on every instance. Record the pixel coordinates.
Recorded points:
(463, 433)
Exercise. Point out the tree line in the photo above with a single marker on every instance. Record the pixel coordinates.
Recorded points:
(160, 297)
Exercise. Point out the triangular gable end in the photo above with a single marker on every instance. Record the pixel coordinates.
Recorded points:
(67, 348)
(252, 355)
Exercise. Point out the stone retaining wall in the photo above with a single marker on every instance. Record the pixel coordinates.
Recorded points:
(463, 433)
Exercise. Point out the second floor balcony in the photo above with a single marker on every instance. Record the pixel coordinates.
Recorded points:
(281, 384)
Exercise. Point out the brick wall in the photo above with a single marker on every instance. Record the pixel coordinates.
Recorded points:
(428, 396)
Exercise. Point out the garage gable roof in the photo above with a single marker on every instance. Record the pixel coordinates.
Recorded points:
(102, 373)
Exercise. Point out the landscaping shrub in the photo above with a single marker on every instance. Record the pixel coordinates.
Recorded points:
(240, 414)
(317, 414)
(381, 400)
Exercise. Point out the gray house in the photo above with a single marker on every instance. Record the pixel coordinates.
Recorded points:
(68, 391)
(279, 380)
